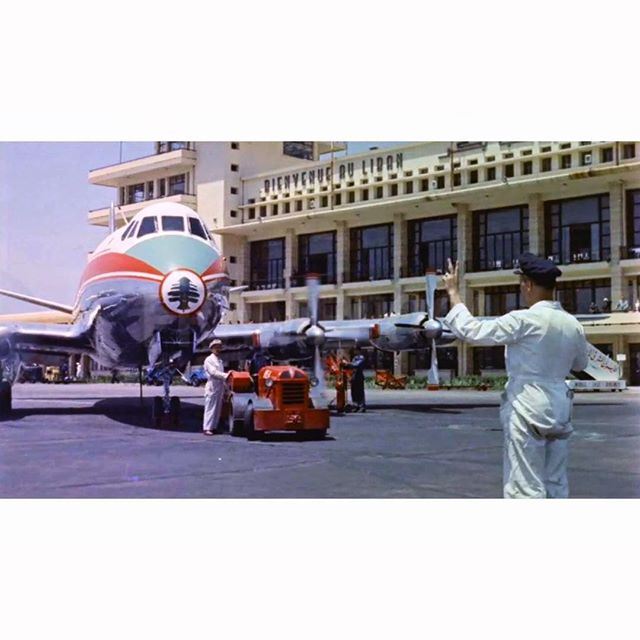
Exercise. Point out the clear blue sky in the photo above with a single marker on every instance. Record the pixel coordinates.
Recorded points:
(44, 200)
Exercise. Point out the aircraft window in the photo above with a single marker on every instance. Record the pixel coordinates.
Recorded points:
(196, 228)
(132, 230)
(147, 226)
(127, 231)
(172, 223)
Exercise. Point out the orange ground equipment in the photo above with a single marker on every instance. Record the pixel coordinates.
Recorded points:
(385, 379)
(341, 377)
(282, 402)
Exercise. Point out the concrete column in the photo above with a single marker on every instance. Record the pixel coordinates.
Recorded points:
(241, 312)
(536, 224)
(340, 304)
(342, 253)
(245, 266)
(465, 248)
(290, 262)
(399, 245)
(481, 311)
(616, 208)
(465, 359)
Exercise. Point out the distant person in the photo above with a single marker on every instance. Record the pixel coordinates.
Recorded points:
(594, 308)
(543, 344)
(114, 376)
(258, 360)
(357, 365)
(215, 389)
(606, 305)
(78, 370)
(636, 305)
(622, 304)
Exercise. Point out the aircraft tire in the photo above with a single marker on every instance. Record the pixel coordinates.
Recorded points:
(236, 424)
(5, 399)
(157, 411)
(174, 411)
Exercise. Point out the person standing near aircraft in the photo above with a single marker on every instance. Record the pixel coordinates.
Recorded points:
(357, 381)
(214, 390)
(543, 344)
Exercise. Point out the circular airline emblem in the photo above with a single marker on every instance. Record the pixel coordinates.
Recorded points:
(182, 292)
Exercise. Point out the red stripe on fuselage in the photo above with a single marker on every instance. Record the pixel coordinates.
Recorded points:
(215, 267)
(111, 262)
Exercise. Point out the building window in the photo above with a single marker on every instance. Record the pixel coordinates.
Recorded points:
(440, 182)
(378, 306)
(364, 194)
(565, 161)
(576, 296)
(298, 205)
(324, 201)
(233, 213)
(235, 167)
(545, 164)
(379, 192)
(263, 211)
(337, 199)
(266, 311)
(135, 193)
(457, 180)
(150, 190)
(274, 210)
(232, 259)
(628, 150)
(394, 189)
(577, 230)
(317, 254)
(267, 264)
(408, 187)
(177, 184)
(326, 309)
(488, 359)
(252, 213)
(235, 145)
(416, 302)
(527, 168)
(509, 170)
(431, 242)
(351, 198)
(473, 176)
(606, 154)
(234, 191)
(491, 173)
(633, 224)
(501, 300)
(500, 236)
(287, 207)
(372, 253)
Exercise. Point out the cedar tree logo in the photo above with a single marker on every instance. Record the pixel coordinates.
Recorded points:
(182, 292)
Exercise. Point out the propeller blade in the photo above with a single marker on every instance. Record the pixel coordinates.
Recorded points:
(313, 290)
(431, 284)
(318, 371)
(433, 378)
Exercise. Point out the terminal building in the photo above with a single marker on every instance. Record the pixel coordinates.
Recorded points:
(371, 224)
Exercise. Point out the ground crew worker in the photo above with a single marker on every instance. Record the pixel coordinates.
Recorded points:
(215, 389)
(543, 344)
(357, 381)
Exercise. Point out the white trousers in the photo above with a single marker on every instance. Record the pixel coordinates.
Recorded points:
(214, 392)
(534, 467)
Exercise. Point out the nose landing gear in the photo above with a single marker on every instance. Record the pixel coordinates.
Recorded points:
(166, 410)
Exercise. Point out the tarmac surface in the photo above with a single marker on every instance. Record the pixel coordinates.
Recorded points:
(94, 441)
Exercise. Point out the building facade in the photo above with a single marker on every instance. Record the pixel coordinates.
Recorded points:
(371, 224)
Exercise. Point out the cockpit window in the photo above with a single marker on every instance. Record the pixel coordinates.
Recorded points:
(131, 230)
(126, 232)
(196, 228)
(172, 223)
(147, 226)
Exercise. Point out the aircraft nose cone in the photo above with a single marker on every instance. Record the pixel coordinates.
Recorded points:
(315, 335)
(432, 329)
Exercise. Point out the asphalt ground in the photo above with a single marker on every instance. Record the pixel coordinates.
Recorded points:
(90, 441)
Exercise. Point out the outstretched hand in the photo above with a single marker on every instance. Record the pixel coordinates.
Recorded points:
(450, 282)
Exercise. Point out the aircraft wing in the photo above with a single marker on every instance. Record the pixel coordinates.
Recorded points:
(16, 339)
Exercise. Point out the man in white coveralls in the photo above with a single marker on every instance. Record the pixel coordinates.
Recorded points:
(214, 390)
(543, 344)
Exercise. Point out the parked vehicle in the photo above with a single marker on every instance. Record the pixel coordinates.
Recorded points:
(197, 376)
(31, 373)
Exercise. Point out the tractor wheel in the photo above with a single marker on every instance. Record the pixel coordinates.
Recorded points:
(174, 412)
(248, 425)
(5, 399)
(236, 424)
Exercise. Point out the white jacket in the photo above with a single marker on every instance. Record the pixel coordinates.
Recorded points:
(542, 345)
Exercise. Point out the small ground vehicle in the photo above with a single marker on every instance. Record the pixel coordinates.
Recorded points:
(282, 402)
(31, 373)
(52, 374)
(197, 376)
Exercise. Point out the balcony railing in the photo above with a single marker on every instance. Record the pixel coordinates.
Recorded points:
(300, 280)
(372, 264)
(272, 270)
(581, 256)
(433, 257)
(501, 251)
(126, 204)
(630, 253)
